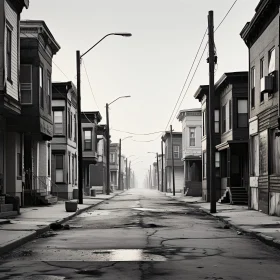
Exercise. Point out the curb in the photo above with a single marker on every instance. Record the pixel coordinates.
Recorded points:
(36, 233)
(268, 240)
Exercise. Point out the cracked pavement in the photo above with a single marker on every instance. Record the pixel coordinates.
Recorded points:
(143, 234)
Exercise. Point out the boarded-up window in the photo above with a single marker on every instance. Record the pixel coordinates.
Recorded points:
(254, 154)
(26, 83)
(263, 152)
(275, 153)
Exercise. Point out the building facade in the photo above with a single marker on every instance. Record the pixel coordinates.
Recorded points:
(178, 163)
(90, 121)
(11, 138)
(191, 150)
(114, 165)
(64, 145)
(231, 138)
(261, 35)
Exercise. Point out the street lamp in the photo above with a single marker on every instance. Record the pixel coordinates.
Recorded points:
(157, 168)
(108, 141)
(80, 148)
(120, 160)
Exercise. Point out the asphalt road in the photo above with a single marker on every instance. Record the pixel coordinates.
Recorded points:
(143, 234)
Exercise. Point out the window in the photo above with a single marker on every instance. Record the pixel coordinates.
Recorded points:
(271, 60)
(58, 122)
(261, 68)
(217, 163)
(230, 114)
(88, 140)
(26, 83)
(253, 85)
(224, 164)
(176, 151)
(242, 112)
(49, 86)
(217, 121)
(112, 157)
(75, 128)
(19, 157)
(204, 165)
(69, 168)
(192, 136)
(275, 153)
(71, 127)
(76, 169)
(9, 54)
(254, 154)
(41, 86)
(224, 119)
(73, 169)
(204, 123)
(49, 160)
(69, 124)
(59, 168)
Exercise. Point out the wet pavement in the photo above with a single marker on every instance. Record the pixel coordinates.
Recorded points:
(142, 234)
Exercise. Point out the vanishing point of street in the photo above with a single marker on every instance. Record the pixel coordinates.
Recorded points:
(143, 234)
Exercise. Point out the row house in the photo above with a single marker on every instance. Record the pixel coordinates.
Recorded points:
(178, 163)
(64, 145)
(35, 124)
(231, 138)
(261, 35)
(11, 137)
(154, 176)
(114, 165)
(98, 171)
(191, 150)
(90, 121)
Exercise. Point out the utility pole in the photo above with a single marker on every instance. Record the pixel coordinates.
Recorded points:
(158, 173)
(162, 172)
(150, 177)
(211, 124)
(129, 172)
(80, 142)
(126, 174)
(172, 151)
(120, 163)
(108, 150)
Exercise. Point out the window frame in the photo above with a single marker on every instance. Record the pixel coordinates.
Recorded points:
(272, 50)
(87, 140)
(224, 118)
(204, 165)
(253, 87)
(61, 168)
(176, 152)
(9, 42)
(49, 93)
(230, 114)
(204, 123)
(27, 85)
(55, 123)
(217, 122)
(41, 87)
(192, 138)
(238, 114)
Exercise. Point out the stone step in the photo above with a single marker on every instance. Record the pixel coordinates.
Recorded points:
(6, 207)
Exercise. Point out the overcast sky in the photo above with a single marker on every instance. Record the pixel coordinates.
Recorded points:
(151, 66)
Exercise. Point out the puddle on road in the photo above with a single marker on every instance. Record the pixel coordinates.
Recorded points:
(95, 213)
(126, 255)
(159, 210)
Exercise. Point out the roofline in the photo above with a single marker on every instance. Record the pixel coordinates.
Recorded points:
(226, 76)
(199, 92)
(187, 110)
(97, 113)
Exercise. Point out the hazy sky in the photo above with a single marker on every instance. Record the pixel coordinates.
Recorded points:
(151, 66)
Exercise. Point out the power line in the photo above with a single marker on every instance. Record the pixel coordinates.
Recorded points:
(143, 134)
(90, 86)
(187, 78)
(203, 54)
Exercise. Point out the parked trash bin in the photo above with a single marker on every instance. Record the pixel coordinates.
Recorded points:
(92, 192)
(75, 193)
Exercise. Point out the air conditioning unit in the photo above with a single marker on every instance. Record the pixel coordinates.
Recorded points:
(267, 84)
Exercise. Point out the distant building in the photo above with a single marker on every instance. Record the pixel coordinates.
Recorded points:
(261, 35)
(90, 121)
(178, 163)
(191, 150)
(114, 165)
(64, 144)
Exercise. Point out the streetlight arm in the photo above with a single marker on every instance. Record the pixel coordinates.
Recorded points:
(125, 96)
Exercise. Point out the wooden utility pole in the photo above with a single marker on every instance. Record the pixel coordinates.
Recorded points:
(120, 164)
(172, 156)
(162, 172)
(126, 174)
(158, 173)
(80, 142)
(108, 187)
(211, 115)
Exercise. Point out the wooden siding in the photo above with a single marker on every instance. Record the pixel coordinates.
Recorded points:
(12, 17)
(263, 194)
(274, 183)
(268, 118)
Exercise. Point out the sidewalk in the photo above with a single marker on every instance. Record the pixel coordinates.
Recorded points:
(262, 226)
(34, 221)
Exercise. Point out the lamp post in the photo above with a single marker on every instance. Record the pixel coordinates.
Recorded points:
(80, 148)
(108, 141)
(120, 160)
(157, 168)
